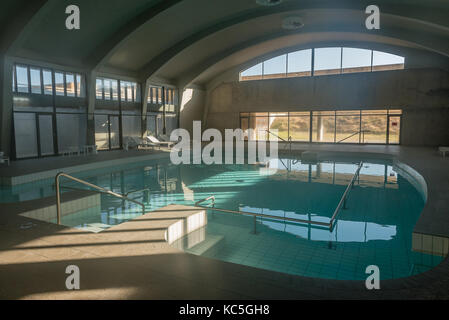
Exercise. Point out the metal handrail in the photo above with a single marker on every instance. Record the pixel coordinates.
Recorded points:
(58, 194)
(345, 195)
(350, 136)
(278, 136)
(197, 204)
(289, 143)
(329, 224)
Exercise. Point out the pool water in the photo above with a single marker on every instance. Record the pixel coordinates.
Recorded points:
(375, 228)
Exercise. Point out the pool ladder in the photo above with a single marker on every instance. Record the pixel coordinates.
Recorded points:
(330, 224)
(109, 192)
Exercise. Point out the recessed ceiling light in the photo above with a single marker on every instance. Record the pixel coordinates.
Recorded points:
(292, 23)
(268, 2)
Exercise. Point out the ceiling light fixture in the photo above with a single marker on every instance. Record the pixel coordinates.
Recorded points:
(292, 23)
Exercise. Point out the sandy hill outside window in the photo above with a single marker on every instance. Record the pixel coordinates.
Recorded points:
(323, 61)
(329, 126)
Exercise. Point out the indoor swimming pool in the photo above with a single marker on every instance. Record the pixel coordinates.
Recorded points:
(375, 228)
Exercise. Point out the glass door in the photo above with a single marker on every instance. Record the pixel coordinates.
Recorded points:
(45, 134)
(25, 135)
(34, 135)
(394, 129)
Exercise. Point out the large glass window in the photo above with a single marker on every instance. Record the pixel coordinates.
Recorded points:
(333, 60)
(171, 123)
(79, 86)
(22, 79)
(59, 83)
(102, 131)
(278, 126)
(114, 86)
(348, 126)
(275, 67)
(25, 131)
(131, 126)
(259, 123)
(253, 73)
(342, 126)
(385, 61)
(71, 131)
(129, 92)
(151, 125)
(35, 75)
(99, 88)
(70, 84)
(299, 63)
(300, 126)
(48, 82)
(374, 126)
(159, 95)
(323, 126)
(327, 61)
(107, 89)
(356, 60)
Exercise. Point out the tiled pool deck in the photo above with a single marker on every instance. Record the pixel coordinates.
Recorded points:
(133, 260)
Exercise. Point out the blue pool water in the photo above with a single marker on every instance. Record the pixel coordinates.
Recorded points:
(375, 229)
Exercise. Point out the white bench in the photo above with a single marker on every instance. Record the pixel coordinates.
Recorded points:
(443, 150)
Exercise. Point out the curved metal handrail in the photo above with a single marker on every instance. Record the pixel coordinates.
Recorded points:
(343, 199)
(197, 204)
(103, 190)
(329, 224)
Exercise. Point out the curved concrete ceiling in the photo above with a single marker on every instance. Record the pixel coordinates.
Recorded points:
(180, 39)
(396, 31)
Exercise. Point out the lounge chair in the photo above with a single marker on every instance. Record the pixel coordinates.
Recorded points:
(155, 141)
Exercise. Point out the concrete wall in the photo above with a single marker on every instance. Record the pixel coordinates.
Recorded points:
(192, 107)
(423, 94)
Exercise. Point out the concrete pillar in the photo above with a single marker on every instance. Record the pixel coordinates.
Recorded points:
(6, 99)
(91, 97)
(145, 92)
(320, 129)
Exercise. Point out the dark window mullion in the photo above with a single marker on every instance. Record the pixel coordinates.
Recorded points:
(41, 74)
(29, 79)
(15, 78)
(76, 84)
(64, 80)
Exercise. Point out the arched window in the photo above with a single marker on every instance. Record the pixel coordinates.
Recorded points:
(323, 61)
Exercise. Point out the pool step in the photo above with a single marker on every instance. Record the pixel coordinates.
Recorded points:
(208, 246)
